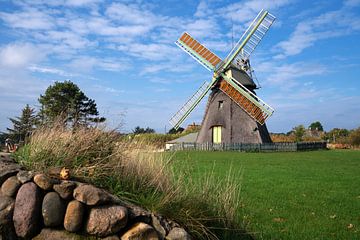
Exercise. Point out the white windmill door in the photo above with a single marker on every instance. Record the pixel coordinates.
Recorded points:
(216, 134)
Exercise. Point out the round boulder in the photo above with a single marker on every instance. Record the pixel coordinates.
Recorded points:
(112, 237)
(65, 189)
(27, 210)
(43, 181)
(6, 210)
(10, 186)
(74, 216)
(106, 220)
(91, 195)
(53, 210)
(7, 169)
(140, 231)
(57, 234)
(25, 176)
(178, 234)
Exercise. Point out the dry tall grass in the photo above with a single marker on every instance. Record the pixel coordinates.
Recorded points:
(135, 172)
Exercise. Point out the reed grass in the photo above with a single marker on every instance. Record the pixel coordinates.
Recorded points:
(136, 172)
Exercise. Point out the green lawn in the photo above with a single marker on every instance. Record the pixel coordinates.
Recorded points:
(301, 195)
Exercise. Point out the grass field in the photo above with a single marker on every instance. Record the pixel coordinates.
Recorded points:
(300, 195)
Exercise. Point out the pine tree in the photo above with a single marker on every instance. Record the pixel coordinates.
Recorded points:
(67, 101)
(23, 125)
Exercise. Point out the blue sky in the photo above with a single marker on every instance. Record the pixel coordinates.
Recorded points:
(122, 54)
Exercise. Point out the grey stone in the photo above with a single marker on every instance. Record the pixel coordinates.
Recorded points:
(27, 210)
(113, 237)
(140, 231)
(43, 181)
(65, 189)
(5, 201)
(6, 209)
(106, 220)
(91, 195)
(56, 234)
(53, 210)
(135, 213)
(25, 176)
(7, 169)
(7, 232)
(10, 186)
(158, 226)
(178, 234)
(74, 216)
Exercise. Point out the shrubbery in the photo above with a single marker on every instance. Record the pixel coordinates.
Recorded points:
(354, 137)
(132, 170)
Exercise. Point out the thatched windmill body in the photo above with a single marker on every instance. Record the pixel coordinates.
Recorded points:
(234, 114)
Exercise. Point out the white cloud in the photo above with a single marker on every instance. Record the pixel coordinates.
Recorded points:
(80, 3)
(87, 64)
(131, 14)
(284, 76)
(102, 26)
(328, 25)
(352, 3)
(245, 11)
(50, 70)
(68, 38)
(203, 28)
(19, 55)
(76, 38)
(57, 3)
(31, 19)
(152, 51)
(203, 10)
(105, 89)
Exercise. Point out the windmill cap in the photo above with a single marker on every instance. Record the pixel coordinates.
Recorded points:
(242, 77)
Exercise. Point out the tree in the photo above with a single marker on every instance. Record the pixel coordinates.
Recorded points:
(354, 137)
(23, 125)
(173, 131)
(337, 135)
(67, 101)
(316, 126)
(3, 137)
(140, 130)
(299, 132)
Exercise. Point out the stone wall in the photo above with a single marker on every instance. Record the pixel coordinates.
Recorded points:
(37, 206)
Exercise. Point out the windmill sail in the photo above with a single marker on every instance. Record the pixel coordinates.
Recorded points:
(198, 51)
(187, 108)
(247, 100)
(250, 39)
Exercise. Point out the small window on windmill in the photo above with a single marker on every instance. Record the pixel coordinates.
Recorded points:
(221, 104)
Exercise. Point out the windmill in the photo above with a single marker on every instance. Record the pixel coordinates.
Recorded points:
(234, 113)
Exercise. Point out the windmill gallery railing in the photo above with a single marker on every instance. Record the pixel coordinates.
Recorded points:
(249, 147)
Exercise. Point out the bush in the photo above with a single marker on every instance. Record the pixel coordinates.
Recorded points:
(279, 137)
(157, 140)
(134, 171)
(154, 139)
(354, 137)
